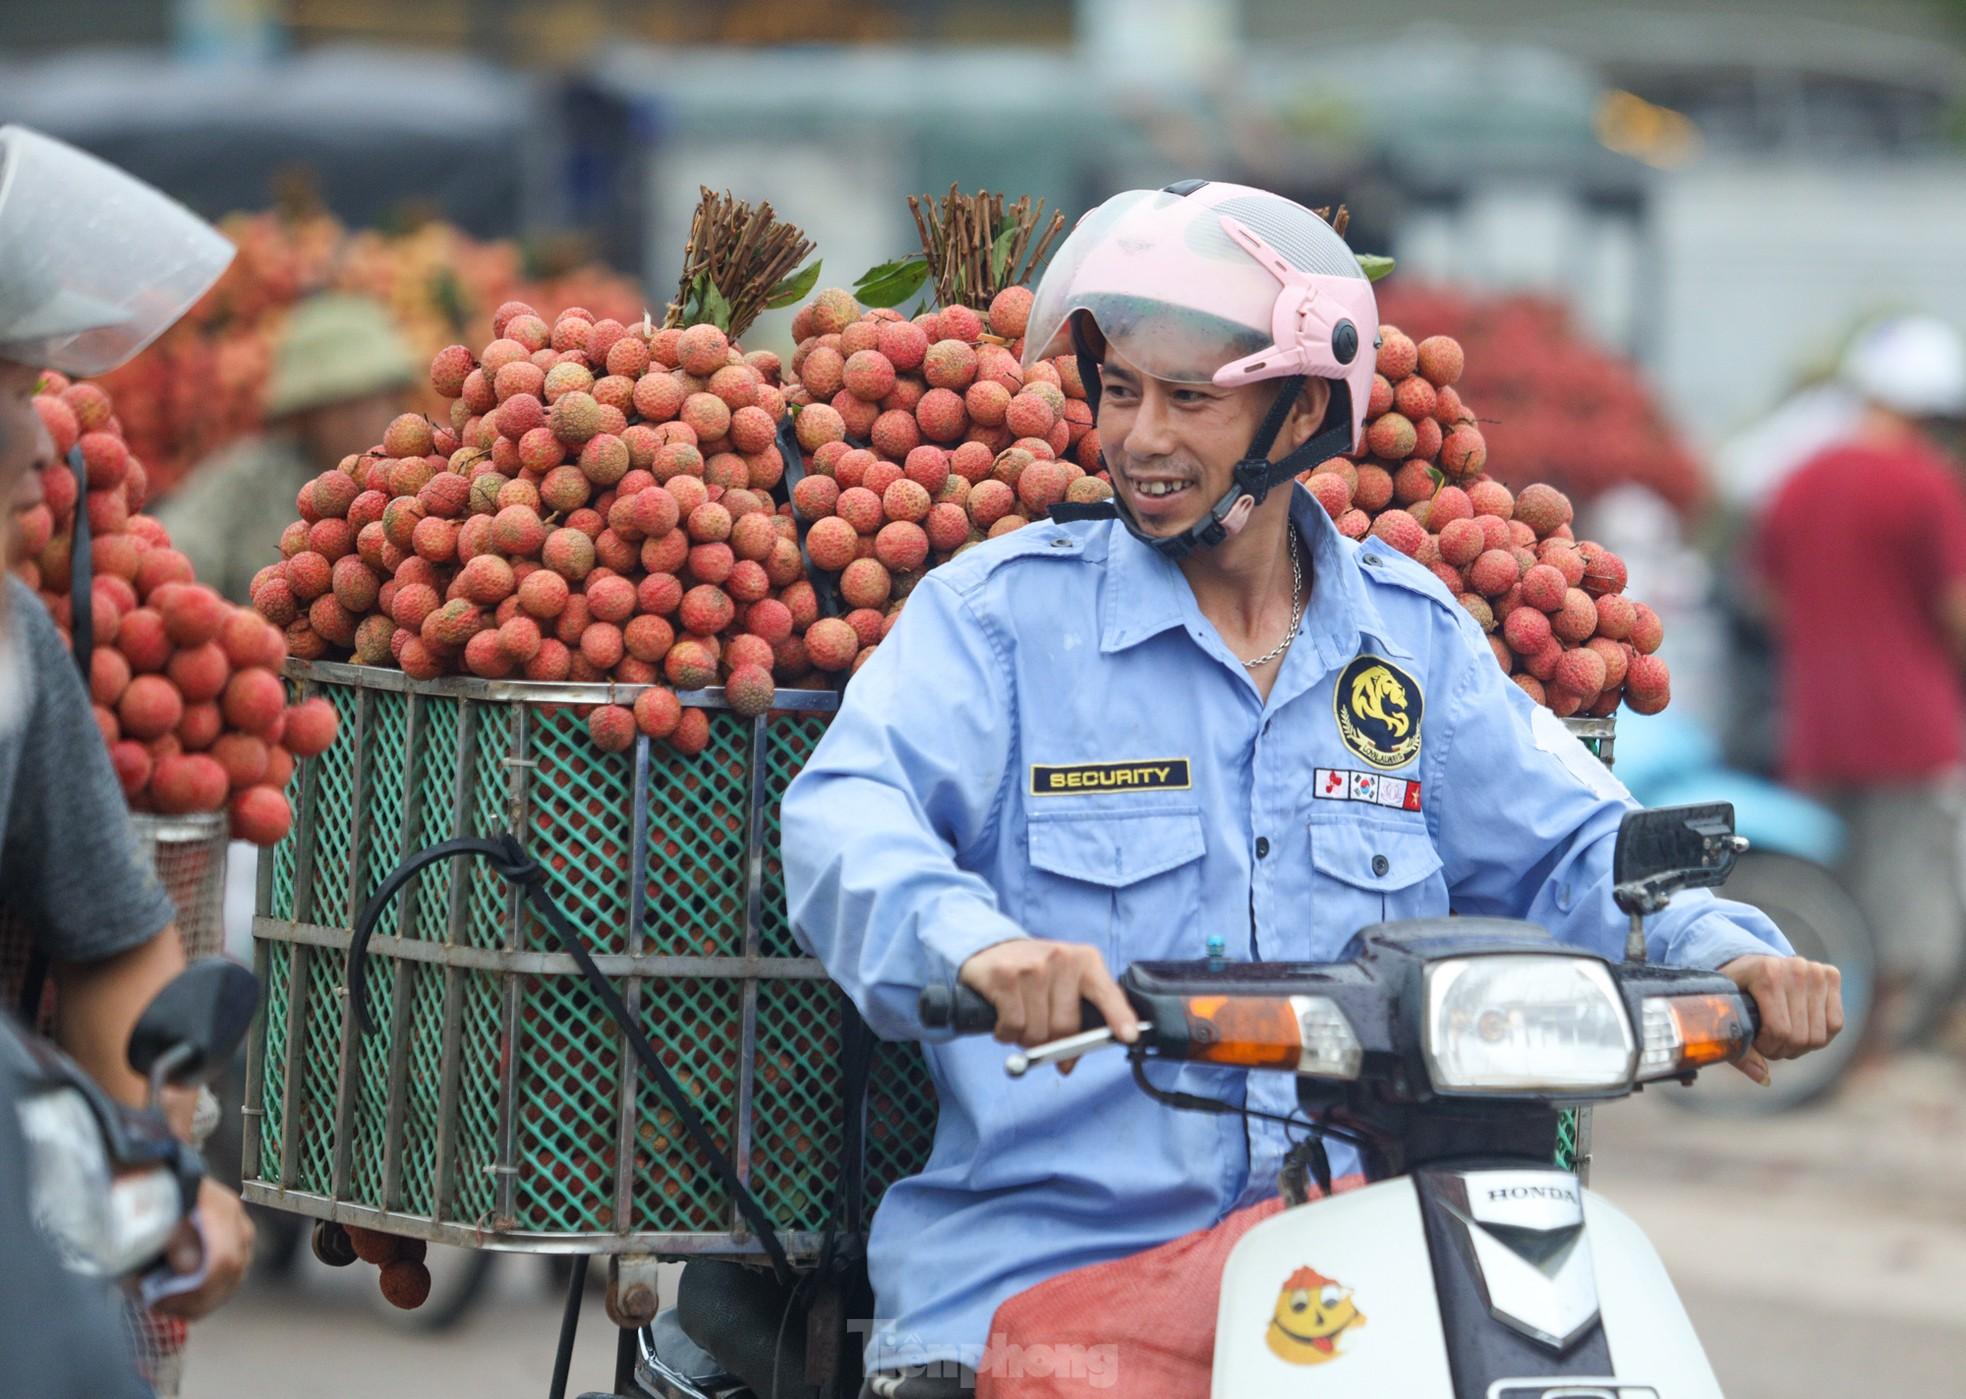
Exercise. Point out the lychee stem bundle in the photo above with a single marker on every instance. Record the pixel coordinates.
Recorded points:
(740, 255)
(975, 247)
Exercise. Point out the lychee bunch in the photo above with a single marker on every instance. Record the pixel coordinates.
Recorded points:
(1553, 606)
(186, 687)
(600, 506)
(921, 438)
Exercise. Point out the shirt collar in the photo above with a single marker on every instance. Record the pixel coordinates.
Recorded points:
(1146, 594)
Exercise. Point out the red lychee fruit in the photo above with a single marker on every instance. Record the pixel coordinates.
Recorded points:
(311, 727)
(1543, 587)
(1400, 530)
(1527, 631)
(749, 690)
(1374, 491)
(184, 782)
(1604, 571)
(865, 583)
(1543, 508)
(150, 706)
(1493, 572)
(1397, 354)
(1647, 633)
(690, 664)
(657, 711)
(193, 615)
(1439, 360)
(199, 672)
(831, 644)
(132, 763)
(109, 675)
(832, 543)
(1391, 437)
(1648, 684)
(1580, 673)
(1463, 452)
(1576, 619)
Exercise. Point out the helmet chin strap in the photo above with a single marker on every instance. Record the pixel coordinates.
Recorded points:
(1255, 474)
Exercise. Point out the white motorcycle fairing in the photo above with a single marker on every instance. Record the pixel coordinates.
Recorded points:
(1347, 1299)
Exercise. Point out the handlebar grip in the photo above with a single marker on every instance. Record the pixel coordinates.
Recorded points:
(1753, 1013)
(957, 1008)
(967, 1012)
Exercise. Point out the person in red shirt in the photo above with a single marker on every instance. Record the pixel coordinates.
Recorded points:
(1862, 555)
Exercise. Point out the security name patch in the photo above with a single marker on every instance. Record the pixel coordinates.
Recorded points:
(1373, 788)
(1084, 779)
(1378, 709)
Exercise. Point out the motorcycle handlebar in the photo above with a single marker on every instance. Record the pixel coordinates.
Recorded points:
(967, 1012)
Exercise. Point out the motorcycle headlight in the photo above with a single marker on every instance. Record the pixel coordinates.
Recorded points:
(1526, 1023)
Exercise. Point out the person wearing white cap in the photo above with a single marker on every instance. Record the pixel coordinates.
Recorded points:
(1862, 555)
(94, 265)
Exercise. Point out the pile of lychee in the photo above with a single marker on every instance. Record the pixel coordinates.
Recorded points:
(1553, 606)
(186, 687)
(599, 507)
(923, 437)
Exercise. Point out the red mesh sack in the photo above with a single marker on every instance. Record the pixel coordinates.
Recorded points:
(1143, 1325)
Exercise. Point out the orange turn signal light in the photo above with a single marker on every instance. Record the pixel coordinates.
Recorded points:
(1247, 1031)
(1684, 1033)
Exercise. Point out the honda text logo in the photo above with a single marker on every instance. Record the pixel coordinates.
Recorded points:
(1534, 1192)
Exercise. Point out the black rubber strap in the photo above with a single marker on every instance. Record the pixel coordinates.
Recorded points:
(82, 646)
(81, 572)
(510, 861)
(825, 585)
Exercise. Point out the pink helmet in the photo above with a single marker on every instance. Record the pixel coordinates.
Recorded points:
(1225, 284)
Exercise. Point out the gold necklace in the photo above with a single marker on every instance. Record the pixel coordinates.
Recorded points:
(1296, 607)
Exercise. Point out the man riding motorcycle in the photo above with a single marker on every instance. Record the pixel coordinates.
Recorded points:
(1213, 717)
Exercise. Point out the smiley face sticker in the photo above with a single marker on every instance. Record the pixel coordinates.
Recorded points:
(1313, 1315)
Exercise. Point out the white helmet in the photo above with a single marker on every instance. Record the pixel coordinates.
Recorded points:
(94, 263)
(1914, 365)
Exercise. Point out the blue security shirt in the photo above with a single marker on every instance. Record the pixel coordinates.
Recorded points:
(1054, 742)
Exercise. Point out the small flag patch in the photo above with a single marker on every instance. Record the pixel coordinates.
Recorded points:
(1376, 789)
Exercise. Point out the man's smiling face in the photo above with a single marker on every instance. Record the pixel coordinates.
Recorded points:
(1172, 447)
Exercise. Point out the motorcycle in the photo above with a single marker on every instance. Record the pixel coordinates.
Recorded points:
(1444, 1050)
(106, 1185)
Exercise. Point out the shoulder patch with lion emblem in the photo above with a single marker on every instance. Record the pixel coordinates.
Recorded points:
(1378, 707)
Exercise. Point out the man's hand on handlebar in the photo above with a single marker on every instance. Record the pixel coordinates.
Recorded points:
(1801, 1005)
(1036, 986)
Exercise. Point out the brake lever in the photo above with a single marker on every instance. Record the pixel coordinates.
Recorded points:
(1071, 1047)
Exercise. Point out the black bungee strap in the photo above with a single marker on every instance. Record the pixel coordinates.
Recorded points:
(510, 861)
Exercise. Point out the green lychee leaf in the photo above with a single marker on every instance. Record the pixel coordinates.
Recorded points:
(1437, 476)
(794, 288)
(1375, 266)
(716, 310)
(892, 282)
(1000, 251)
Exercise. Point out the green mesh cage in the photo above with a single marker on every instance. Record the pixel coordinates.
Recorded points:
(492, 1066)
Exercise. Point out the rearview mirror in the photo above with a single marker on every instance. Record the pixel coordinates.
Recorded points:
(1675, 847)
(196, 1023)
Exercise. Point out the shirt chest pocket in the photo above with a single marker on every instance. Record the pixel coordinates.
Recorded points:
(1367, 870)
(1129, 883)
